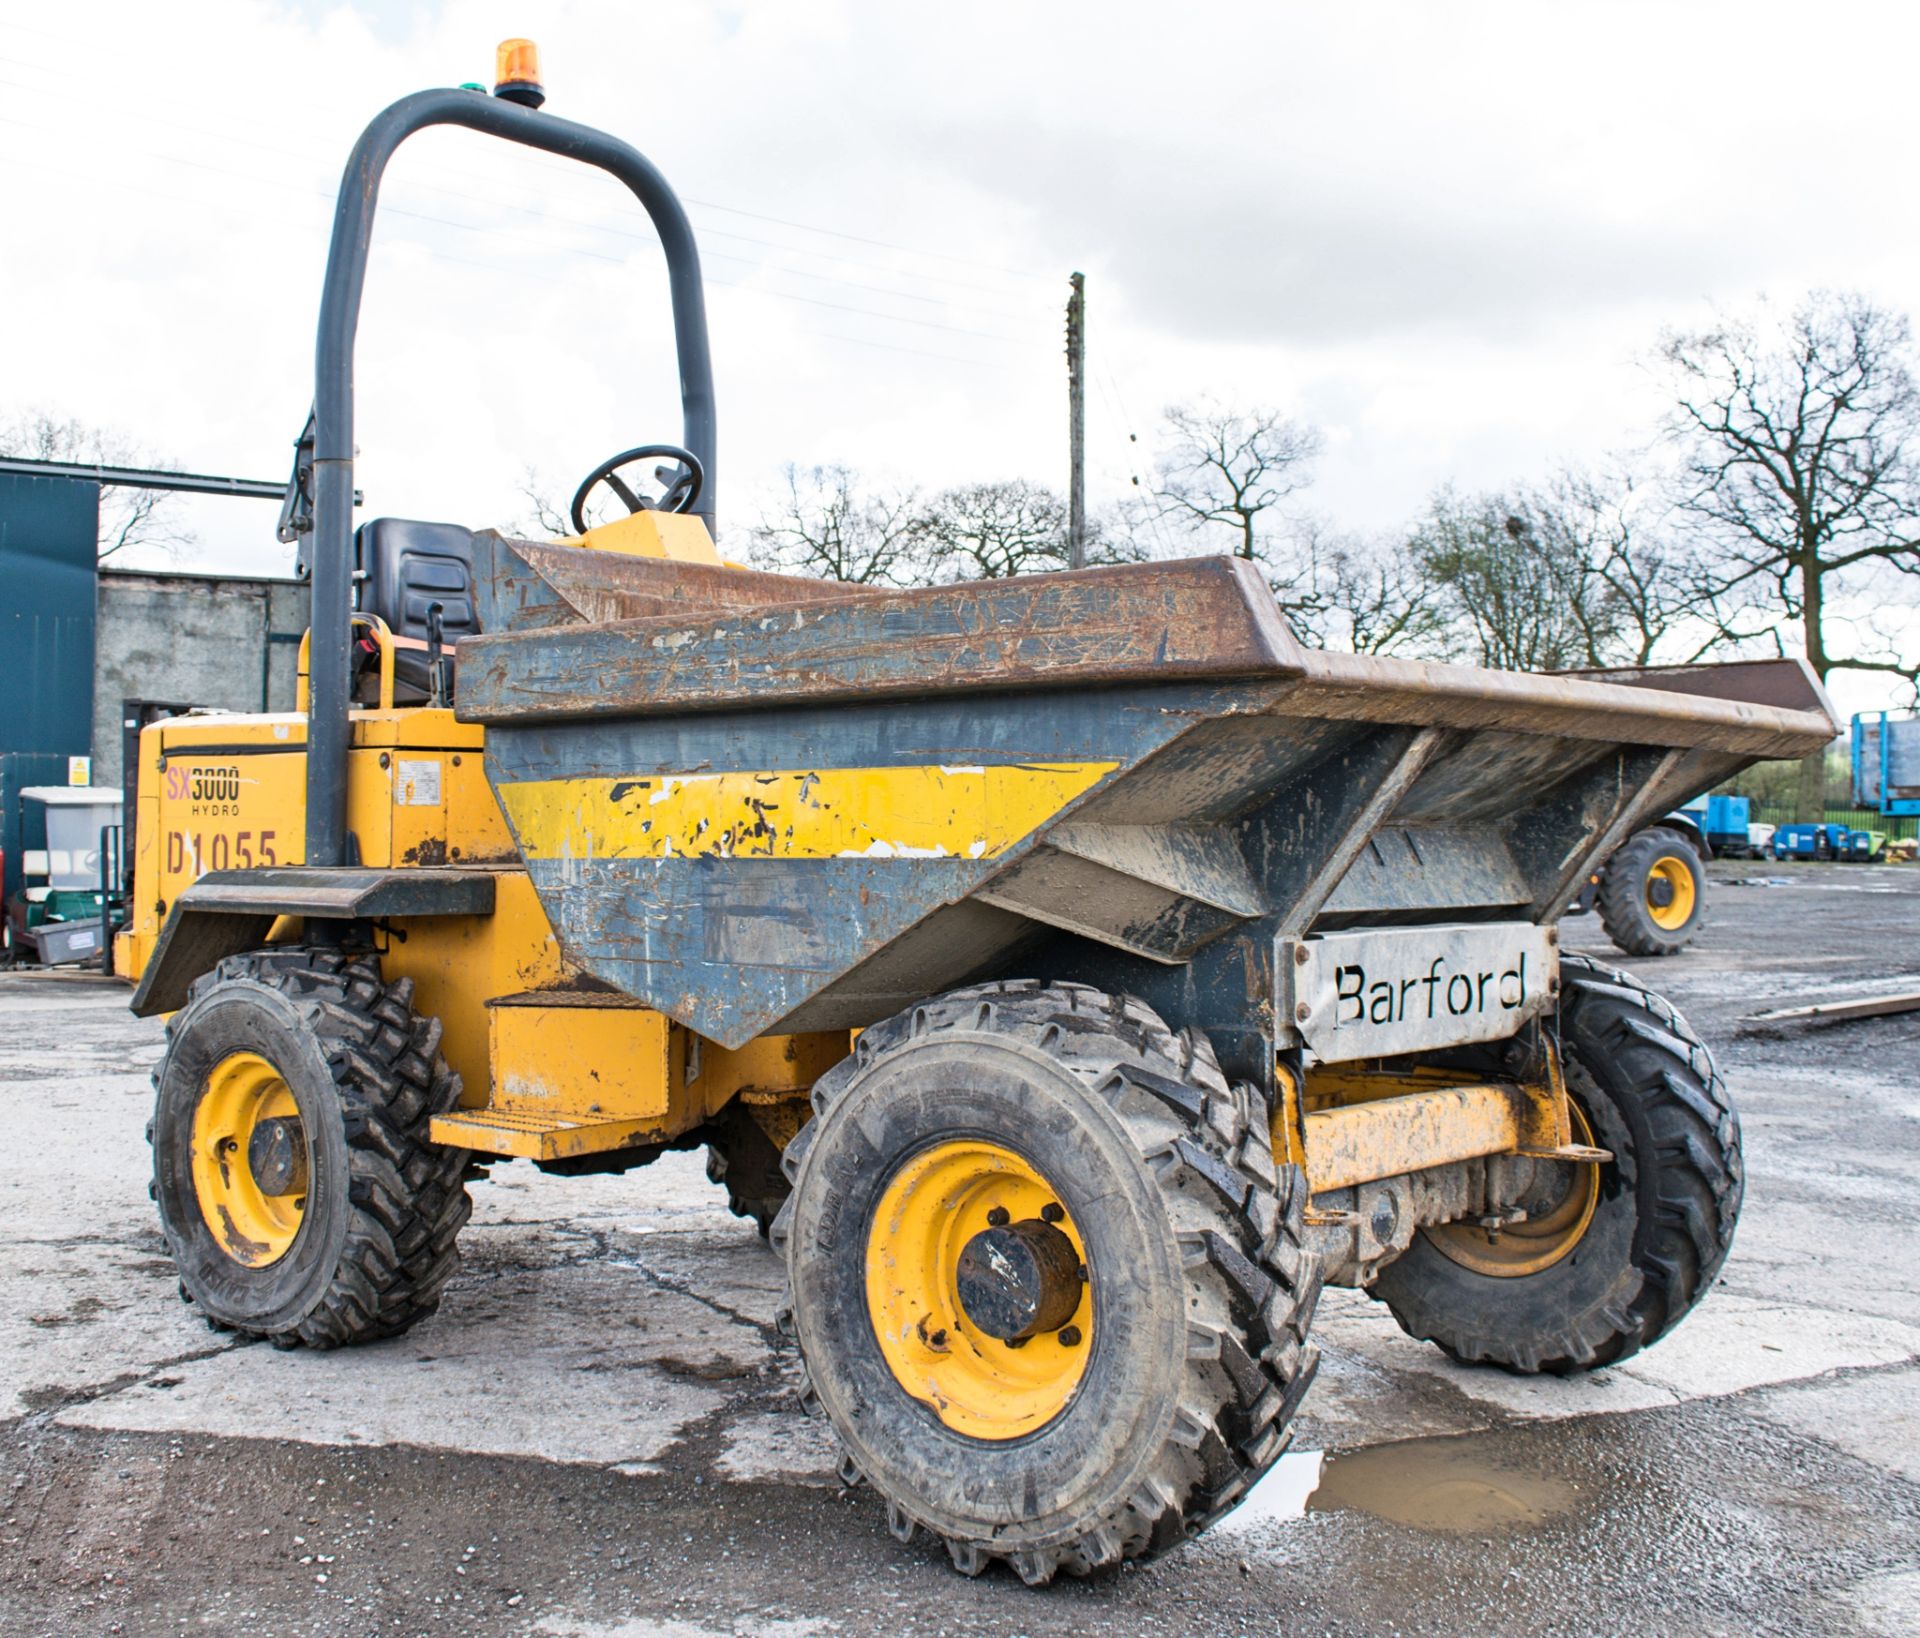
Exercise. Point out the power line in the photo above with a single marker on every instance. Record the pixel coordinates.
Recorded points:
(609, 228)
(494, 201)
(319, 235)
(519, 237)
(1110, 393)
(883, 244)
(95, 48)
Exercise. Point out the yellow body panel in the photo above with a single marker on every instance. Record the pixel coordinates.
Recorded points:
(913, 811)
(460, 963)
(678, 536)
(541, 1078)
(578, 1073)
(584, 1066)
(773, 1069)
(547, 1080)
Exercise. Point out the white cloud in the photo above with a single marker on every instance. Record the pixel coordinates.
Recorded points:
(1446, 232)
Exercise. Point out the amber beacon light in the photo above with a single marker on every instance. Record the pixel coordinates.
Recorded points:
(516, 73)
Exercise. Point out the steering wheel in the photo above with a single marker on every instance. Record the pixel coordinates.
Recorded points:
(678, 492)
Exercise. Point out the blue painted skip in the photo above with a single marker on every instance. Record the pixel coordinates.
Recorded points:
(731, 947)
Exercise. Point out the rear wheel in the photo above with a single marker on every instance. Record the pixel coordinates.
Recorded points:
(1610, 1257)
(1653, 896)
(743, 1157)
(297, 1186)
(1047, 1282)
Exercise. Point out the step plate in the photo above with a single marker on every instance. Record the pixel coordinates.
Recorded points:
(528, 1136)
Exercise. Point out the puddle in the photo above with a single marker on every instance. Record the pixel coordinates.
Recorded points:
(1438, 1484)
(1280, 1496)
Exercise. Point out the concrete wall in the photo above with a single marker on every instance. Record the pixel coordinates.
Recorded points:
(190, 639)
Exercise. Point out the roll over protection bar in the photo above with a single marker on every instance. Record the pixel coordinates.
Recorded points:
(328, 731)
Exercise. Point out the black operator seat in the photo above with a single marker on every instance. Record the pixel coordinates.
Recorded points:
(405, 567)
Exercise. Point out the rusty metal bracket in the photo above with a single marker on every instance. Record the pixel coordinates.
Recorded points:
(1407, 1124)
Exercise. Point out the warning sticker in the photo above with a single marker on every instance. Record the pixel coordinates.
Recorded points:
(419, 785)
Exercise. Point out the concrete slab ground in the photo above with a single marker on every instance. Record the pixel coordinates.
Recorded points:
(595, 1436)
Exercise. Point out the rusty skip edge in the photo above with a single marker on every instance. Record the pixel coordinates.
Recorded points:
(1207, 617)
(1194, 619)
(641, 588)
(1772, 708)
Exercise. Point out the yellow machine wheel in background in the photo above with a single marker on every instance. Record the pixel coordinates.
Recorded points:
(1671, 879)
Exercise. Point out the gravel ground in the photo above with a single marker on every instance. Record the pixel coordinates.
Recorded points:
(595, 1438)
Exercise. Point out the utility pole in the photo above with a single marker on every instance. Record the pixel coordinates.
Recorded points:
(1077, 423)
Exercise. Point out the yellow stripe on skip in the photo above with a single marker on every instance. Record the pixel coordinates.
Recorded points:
(929, 811)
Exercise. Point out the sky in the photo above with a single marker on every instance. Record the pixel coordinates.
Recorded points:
(1448, 234)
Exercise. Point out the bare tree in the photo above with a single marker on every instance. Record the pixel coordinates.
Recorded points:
(1511, 594)
(128, 517)
(545, 515)
(1373, 597)
(991, 531)
(1630, 583)
(1579, 571)
(828, 525)
(1796, 437)
(1224, 470)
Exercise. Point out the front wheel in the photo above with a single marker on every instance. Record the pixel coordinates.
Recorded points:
(298, 1189)
(1611, 1256)
(1048, 1285)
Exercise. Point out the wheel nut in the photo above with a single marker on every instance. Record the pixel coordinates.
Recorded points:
(999, 1217)
(1052, 1212)
(1070, 1337)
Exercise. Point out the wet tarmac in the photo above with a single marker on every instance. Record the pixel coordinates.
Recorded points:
(595, 1438)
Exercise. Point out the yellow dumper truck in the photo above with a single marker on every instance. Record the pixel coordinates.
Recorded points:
(1070, 973)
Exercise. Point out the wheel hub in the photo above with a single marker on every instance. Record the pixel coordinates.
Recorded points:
(1017, 1281)
(1670, 893)
(250, 1160)
(975, 1291)
(1556, 1212)
(277, 1155)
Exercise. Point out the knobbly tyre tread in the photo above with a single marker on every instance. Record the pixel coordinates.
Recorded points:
(407, 1198)
(1621, 900)
(1685, 1170)
(744, 1161)
(1252, 1283)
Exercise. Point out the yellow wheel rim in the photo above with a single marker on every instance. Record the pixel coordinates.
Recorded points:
(1673, 874)
(253, 1227)
(1535, 1243)
(976, 1383)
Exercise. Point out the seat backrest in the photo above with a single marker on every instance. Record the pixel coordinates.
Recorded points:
(406, 566)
